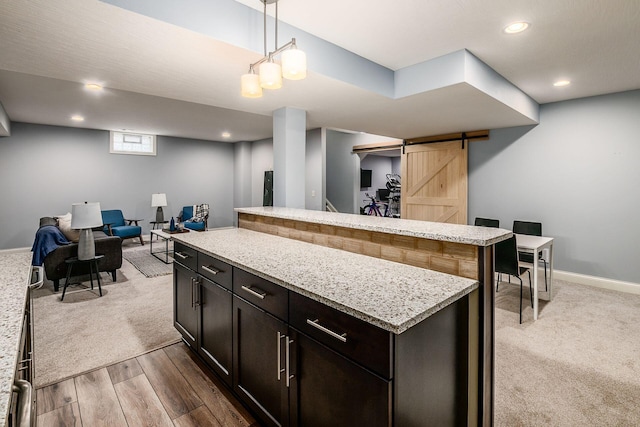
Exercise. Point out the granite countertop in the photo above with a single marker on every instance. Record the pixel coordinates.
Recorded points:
(15, 276)
(390, 295)
(468, 234)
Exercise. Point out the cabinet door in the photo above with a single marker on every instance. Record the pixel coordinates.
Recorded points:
(185, 314)
(259, 362)
(215, 340)
(330, 390)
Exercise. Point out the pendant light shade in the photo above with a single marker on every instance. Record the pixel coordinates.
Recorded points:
(270, 75)
(294, 64)
(250, 85)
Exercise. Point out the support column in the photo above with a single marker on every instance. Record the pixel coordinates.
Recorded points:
(289, 140)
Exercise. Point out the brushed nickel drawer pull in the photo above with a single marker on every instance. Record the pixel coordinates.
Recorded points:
(260, 294)
(210, 269)
(315, 324)
(181, 255)
(23, 414)
(280, 368)
(287, 360)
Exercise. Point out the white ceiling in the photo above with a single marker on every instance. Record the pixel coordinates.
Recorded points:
(168, 80)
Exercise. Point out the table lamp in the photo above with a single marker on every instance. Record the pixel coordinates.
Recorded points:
(84, 217)
(159, 200)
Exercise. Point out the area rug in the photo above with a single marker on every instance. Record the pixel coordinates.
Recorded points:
(146, 263)
(85, 331)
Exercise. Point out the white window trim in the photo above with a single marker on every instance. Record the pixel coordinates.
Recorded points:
(135, 153)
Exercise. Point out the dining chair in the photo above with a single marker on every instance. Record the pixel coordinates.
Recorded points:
(506, 261)
(487, 222)
(532, 229)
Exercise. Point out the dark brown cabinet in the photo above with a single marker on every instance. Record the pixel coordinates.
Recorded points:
(298, 362)
(185, 313)
(260, 356)
(203, 312)
(330, 389)
(215, 322)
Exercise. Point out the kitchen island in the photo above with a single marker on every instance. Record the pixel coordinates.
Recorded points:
(342, 337)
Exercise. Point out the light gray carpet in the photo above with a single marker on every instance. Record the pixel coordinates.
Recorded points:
(146, 263)
(577, 365)
(85, 332)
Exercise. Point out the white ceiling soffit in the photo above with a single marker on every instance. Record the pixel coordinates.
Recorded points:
(374, 66)
(239, 25)
(113, 109)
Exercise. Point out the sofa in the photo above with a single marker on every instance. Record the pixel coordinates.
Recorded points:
(54, 262)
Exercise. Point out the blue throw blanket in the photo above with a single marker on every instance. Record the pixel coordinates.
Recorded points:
(48, 238)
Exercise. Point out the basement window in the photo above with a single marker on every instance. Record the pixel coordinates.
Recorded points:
(132, 143)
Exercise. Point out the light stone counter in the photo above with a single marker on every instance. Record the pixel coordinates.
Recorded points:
(15, 276)
(390, 295)
(478, 236)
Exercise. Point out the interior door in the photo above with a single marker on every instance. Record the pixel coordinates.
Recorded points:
(434, 182)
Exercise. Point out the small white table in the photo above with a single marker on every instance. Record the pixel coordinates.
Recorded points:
(533, 245)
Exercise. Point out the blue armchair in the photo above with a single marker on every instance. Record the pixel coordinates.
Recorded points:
(198, 221)
(114, 225)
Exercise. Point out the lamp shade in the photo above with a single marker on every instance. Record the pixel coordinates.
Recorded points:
(250, 85)
(270, 75)
(294, 64)
(158, 199)
(85, 215)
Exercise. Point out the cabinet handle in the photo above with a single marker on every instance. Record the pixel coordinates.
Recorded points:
(198, 291)
(192, 299)
(25, 390)
(181, 255)
(260, 294)
(287, 360)
(210, 269)
(280, 369)
(315, 324)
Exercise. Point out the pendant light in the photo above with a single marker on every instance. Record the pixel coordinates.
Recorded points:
(250, 84)
(270, 73)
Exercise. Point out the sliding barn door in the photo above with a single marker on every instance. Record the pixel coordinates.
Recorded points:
(434, 182)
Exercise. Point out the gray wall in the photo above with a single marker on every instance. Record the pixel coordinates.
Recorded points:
(576, 172)
(315, 170)
(44, 169)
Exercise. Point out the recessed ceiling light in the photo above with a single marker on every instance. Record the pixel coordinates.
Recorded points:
(561, 83)
(93, 86)
(226, 135)
(77, 118)
(516, 27)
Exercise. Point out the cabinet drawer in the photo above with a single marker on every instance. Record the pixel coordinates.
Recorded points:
(185, 255)
(267, 295)
(215, 270)
(365, 344)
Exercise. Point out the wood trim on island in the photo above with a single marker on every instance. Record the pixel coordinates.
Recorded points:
(458, 259)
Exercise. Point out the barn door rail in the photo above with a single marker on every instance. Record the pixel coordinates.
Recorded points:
(477, 135)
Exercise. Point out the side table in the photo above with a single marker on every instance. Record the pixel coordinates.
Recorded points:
(93, 263)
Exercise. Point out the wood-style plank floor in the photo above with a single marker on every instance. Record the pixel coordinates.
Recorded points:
(167, 387)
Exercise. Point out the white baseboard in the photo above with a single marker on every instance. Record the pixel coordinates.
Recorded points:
(598, 282)
(14, 250)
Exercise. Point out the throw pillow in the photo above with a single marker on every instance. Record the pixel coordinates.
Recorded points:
(64, 224)
(201, 213)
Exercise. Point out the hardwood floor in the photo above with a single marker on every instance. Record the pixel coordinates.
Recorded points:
(167, 387)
